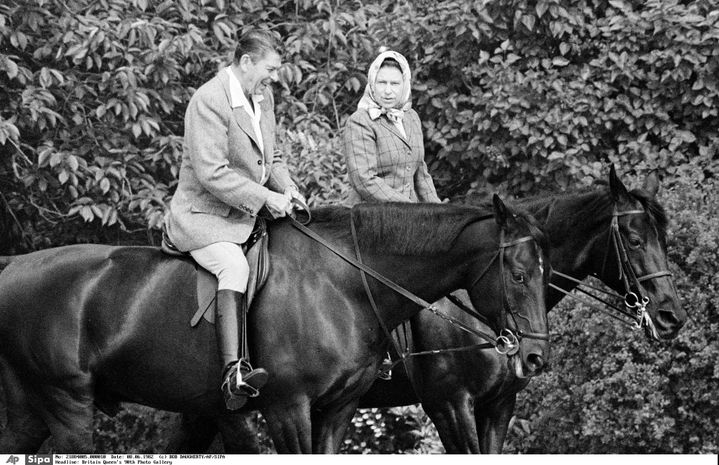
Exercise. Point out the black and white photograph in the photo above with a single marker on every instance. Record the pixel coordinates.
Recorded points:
(358, 227)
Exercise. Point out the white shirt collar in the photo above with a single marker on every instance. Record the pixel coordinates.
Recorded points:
(237, 95)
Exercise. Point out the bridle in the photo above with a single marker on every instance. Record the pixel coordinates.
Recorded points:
(634, 312)
(506, 343)
(509, 339)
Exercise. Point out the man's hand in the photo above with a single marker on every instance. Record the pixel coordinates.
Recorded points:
(293, 193)
(278, 204)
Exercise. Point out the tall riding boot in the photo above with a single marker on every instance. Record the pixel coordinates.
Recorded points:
(235, 388)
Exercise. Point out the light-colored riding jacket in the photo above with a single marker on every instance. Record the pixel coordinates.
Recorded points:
(219, 191)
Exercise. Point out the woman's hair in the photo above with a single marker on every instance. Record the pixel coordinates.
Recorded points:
(256, 43)
(390, 62)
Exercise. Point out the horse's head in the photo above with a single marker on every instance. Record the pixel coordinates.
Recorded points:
(635, 260)
(521, 320)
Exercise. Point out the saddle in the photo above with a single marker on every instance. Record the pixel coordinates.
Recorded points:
(256, 251)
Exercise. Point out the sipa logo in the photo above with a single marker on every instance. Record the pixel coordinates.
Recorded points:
(13, 460)
(39, 459)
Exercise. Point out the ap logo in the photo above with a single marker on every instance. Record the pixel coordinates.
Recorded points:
(13, 460)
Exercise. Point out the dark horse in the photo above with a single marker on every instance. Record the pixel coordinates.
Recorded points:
(100, 324)
(470, 394)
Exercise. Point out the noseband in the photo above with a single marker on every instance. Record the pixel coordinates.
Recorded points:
(635, 303)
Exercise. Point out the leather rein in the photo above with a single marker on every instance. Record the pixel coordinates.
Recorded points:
(634, 312)
(506, 343)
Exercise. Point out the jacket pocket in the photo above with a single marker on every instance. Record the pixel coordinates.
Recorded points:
(214, 208)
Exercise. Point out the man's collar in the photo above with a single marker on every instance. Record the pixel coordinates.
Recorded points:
(237, 95)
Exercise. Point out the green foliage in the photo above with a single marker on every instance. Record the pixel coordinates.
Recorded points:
(134, 430)
(94, 94)
(400, 430)
(516, 94)
(612, 391)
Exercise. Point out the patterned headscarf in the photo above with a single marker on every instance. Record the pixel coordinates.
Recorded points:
(368, 100)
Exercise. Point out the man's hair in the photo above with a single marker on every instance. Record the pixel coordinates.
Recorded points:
(256, 43)
(390, 62)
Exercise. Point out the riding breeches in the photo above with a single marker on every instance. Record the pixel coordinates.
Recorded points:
(227, 262)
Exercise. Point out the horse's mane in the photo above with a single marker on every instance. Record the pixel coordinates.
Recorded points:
(598, 203)
(402, 228)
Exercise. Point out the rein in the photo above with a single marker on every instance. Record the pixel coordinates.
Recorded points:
(634, 312)
(507, 343)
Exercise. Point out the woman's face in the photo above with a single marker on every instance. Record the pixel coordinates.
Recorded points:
(388, 86)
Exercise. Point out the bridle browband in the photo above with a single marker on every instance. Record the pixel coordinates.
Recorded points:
(634, 312)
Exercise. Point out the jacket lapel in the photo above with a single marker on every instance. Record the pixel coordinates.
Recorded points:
(245, 123)
(393, 129)
(241, 116)
(266, 130)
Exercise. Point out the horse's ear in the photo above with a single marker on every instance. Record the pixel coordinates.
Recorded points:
(500, 211)
(615, 185)
(651, 183)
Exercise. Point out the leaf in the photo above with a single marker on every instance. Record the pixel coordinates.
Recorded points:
(72, 162)
(528, 22)
(86, 214)
(560, 61)
(541, 8)
(9, 66)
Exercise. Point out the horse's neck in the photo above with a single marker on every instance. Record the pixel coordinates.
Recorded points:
(428, 278)
(574, 225)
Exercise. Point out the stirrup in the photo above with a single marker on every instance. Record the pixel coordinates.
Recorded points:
(234, 398)
(385, 370)
(250, 380)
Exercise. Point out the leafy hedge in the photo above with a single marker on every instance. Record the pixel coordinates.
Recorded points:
(93, 95)
(610, 390)
(518, 95)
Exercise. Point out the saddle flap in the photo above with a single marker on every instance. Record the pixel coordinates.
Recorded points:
(258, 259)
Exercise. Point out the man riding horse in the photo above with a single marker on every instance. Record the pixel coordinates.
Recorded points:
(230, 171)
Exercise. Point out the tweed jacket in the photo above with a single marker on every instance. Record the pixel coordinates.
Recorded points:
(219, 192)
(382, 165)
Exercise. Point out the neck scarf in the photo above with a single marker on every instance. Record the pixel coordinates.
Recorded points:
(368, 101)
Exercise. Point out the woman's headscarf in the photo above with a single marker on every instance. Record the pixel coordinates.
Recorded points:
(368, 101)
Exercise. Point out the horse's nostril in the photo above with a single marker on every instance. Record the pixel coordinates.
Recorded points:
(668, 318)
(535, 362)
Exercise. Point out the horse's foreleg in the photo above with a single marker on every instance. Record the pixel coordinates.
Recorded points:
(455, 423)
(290, 426)
(68, 414)
(193, 436)
(492, 422)
(329, 427)
(240, 433)
(25, 430)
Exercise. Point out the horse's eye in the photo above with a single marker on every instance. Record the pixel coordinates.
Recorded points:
(518, 277)
(634, 241)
